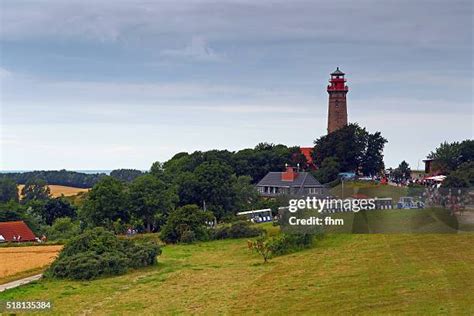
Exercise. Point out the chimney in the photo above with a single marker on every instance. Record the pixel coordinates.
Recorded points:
(289, 174)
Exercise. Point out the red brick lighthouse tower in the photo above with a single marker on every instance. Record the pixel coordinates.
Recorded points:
(337, 109)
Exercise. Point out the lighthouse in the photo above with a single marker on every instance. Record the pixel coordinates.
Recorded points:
(337, 108)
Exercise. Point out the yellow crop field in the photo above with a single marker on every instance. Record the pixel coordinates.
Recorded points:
(58, 190)
(23, 261)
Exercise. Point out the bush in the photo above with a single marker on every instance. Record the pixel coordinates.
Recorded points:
(239, 229)
(187, 236)
(89, 265)
(62, 229)
(97, 253)
(280, 245)
(287, 243)
(186, 224)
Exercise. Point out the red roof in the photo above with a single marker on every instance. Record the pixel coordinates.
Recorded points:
(18, 228)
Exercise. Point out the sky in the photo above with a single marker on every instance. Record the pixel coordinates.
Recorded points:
(120, 84)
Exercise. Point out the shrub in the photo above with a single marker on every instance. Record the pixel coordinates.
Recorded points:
(280, 245)
(239, 229)
(62, 229)
(262, 247)
(288, 243)
(186, 224)
(97, 253)
(89, 265)
(187, 236)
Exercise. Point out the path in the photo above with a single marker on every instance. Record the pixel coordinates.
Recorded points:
(13, 284)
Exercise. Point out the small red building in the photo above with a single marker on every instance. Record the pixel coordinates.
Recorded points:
(16, 231)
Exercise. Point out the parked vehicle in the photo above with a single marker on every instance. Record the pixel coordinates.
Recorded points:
(408, 202)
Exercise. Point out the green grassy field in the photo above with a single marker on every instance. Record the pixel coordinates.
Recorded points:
(369, 189)
(343, 274)
(429, 220)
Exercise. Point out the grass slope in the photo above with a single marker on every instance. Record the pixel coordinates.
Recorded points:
(343, 274)
(369, 189)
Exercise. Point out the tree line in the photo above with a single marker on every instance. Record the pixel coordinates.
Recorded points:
(219, 182)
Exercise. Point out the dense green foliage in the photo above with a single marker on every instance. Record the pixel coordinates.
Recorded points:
(151, 200)
(13, 211)
(354, 148)
(127, 175)
(35, 189)
(253, 162)
(328, 171)
(62, 229)
(462, 177)
(61, 177)
(456, 160)
(288, 243)
(106, 202)
(240, 229)
(97, 253)
(57, 208)
(8, 190)
(450, 156)
(402, 172)
(280, 245)
(186, 224)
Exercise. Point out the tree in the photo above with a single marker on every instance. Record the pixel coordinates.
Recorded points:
(264, 158)
(8, 190)
(157, 170)
(372, 162)
(97, 252)
(214, 184)
(210, 185)
(57, 208)
(106, 202)
(328, 171)
(11, 211)
(188, 189)
(246, 195)
(35, 189)
(402, 172)
(462, 177)
(186, 224)
(151, 199)
(449, 156)
(262, 246)
(354, 148)
(63, 228)
(127, 175)
(455, 181)
(60, 177)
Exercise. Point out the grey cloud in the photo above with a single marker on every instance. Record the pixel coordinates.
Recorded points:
(423, 23)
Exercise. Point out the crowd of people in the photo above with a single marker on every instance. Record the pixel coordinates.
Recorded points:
(455, 199)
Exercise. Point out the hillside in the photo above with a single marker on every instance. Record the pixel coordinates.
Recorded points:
(348, 274)
(369, 189)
